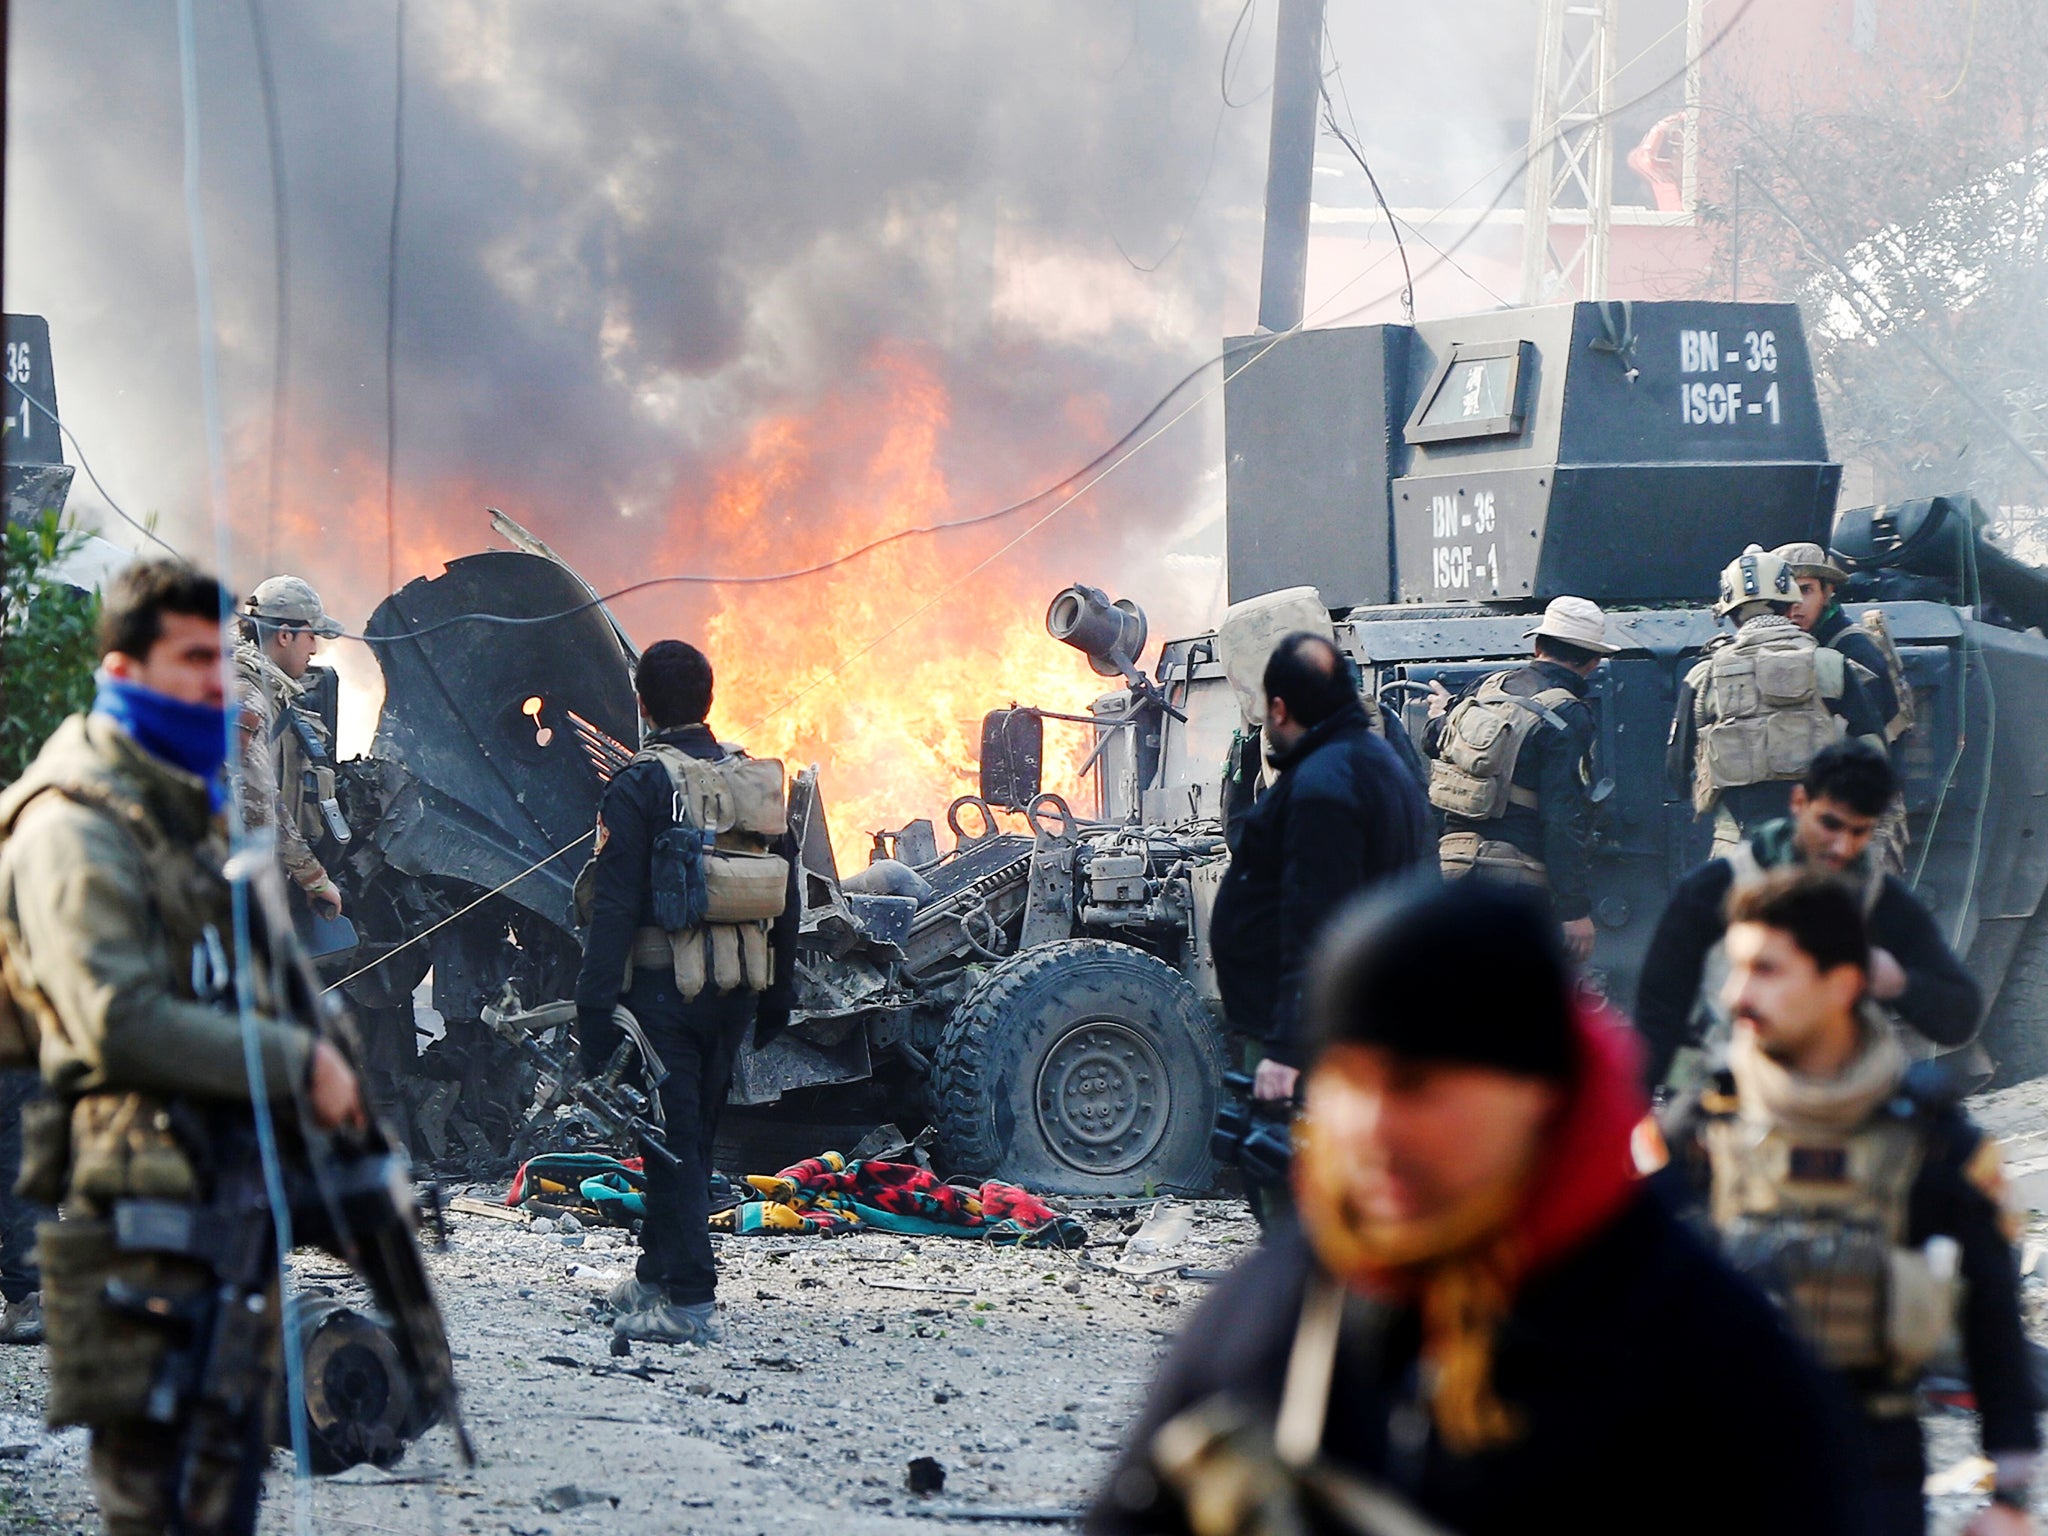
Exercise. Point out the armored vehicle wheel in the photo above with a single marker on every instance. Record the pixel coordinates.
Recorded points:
(1082, 1068)
(2016, 1030)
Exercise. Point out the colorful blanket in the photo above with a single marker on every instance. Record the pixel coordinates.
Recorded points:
(829, 1194)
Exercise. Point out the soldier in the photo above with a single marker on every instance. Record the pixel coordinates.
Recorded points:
(1858, 1193)
(1836, 811)
(1476, 1319)
(21, 1297)
(691, 909)
(1819, 613)
(282, 626)
(160, 1302)
(1511, 769)
(1760, 703)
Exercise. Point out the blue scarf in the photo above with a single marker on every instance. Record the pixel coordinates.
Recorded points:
(193, 737)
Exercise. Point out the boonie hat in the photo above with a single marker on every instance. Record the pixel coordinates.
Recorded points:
(1576, 621)
(288, 600)
(1811, 560)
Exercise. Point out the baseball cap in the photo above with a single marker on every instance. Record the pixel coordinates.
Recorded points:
(288, 600)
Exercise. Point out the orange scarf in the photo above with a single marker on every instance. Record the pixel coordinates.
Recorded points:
(1462, 1269)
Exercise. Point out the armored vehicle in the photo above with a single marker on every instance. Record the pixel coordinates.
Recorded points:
(1041, 997)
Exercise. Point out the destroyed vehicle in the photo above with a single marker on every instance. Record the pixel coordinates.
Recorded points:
(1036, 997)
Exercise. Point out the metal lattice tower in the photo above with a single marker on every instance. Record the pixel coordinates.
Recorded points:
(1570, 179)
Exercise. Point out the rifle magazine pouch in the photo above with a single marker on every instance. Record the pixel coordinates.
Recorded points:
(724, 942)
(123, 1148)
(104, 1359)
(744, 887)
(688, 949)
(45, 1151)
(756, 963)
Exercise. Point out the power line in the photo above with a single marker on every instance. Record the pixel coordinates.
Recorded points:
(391, 305)
(86, 465)
(1352, 142)
(280, 361)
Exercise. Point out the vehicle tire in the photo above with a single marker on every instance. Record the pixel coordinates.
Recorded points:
(1081, 1068)
(2015, 1032)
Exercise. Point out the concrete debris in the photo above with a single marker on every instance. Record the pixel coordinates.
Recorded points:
(567, 1497)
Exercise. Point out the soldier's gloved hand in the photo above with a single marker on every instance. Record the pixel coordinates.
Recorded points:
(326, 895)
(1578, 939)
(1439, 698)
(334, 1093)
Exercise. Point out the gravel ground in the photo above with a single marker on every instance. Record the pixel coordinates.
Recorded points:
(845, 1359)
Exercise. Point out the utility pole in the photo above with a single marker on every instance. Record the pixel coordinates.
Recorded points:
(1571, 150)
(1290, 163)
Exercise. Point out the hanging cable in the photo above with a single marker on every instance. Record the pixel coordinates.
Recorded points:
(245, 969)
(391, 306)
(281, 259)
(85, 464)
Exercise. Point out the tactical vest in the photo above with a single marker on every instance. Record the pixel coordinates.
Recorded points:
(1473, 774)
(1760, 709)
(192, 901)
(1748, 869)
(1818, 1220)
(719, 880)
(1873, 623)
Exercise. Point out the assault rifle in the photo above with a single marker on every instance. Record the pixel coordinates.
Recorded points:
(351, 1192)
(620, 1112)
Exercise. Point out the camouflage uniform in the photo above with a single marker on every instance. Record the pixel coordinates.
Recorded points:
(111, 902)
(270, 781)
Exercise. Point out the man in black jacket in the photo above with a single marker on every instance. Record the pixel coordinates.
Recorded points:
(1858, 1194)
(1836, 810)
(627, 958)
(1343, 813)
(1484, 1314)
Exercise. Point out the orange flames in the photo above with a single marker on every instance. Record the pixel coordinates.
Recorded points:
(822, 669)
(841, 669)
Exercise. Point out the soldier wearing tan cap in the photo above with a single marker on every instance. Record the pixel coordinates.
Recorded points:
(1819, 613)
(283, 623)
(1512, 768)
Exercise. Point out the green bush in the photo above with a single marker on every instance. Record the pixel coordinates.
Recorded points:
(48, 649)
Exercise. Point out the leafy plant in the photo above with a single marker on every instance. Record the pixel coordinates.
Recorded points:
(48, 646)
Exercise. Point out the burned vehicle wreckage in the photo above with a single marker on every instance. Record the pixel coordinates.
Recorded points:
(1043, 999)
(1028, 994)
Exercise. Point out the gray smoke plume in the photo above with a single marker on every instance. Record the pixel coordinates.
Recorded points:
(632, 232)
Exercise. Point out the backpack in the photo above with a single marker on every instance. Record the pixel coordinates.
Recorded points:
(1760, 705)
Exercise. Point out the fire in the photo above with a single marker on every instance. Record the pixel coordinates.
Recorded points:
(821, 669)
(810, 670)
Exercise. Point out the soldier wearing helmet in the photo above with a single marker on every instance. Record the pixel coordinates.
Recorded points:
(1761, 703)
(283, 623)
(1511, 768)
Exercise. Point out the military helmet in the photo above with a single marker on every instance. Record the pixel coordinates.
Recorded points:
(1812, 561)
(1756, 576)
(289, 600)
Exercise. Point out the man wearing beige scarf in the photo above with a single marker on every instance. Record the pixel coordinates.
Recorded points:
(1857, 1193)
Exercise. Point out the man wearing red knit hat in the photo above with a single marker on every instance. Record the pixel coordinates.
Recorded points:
(1485, 1322)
